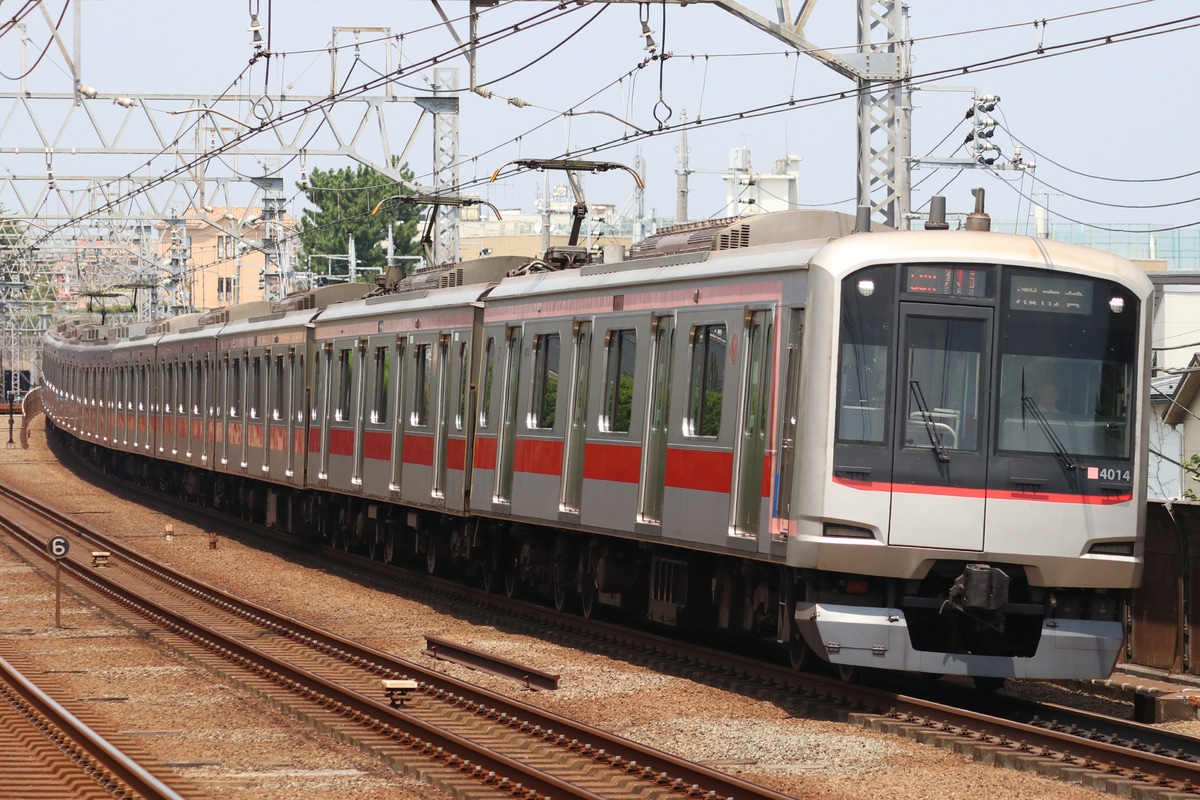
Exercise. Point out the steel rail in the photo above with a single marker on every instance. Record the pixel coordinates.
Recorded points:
(108, 755)
(616, 752)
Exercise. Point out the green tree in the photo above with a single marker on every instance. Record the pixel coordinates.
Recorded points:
(341, 202)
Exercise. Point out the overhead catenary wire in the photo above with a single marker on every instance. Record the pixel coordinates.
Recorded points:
(1156, 29)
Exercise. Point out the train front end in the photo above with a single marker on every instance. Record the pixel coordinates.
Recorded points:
(972, 501)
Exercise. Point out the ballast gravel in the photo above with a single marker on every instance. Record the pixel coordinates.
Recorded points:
(225, 744)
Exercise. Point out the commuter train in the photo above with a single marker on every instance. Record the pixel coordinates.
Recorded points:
(772, 427)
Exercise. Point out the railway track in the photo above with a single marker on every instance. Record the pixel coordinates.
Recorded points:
(1107, 753)
(48, 751)
(452, 735)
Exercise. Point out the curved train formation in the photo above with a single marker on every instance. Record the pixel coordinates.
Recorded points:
(772, 427)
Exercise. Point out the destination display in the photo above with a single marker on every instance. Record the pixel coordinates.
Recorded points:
(1060, 295)
(948, 281)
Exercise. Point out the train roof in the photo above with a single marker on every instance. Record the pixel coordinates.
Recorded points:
(850, 253)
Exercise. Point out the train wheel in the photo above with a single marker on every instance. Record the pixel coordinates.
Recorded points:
(587, 603)
(850, 674)
(374, 548)
(512, 578)
(986, 684)
(389, 546)
(800, 655)
(488, 576)
(431, 558)
(560, 589)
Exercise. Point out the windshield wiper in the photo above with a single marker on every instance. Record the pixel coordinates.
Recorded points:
(935, 438)
(1030, 405)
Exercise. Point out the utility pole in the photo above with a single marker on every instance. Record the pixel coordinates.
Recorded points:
(681, 175)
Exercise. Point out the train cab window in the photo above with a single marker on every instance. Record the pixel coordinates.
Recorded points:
(864, 353)
(707, 385)
(619, 361)
(422, 363)
(1068, 352)
(345, 381)
(489, 366)
(379, 402)
(544, 398)
(943, 365)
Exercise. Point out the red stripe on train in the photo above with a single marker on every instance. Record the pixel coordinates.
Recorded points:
(377, 445)
(620, 463)
(984, 494)
(485, 452)
(456, 454)
(418, 449)
(704, 470)
(538, 456)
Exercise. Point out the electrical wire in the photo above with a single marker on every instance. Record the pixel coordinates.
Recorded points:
(1157, 29)
(25, 11)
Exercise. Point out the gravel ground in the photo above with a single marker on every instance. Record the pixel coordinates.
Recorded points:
(233, 746)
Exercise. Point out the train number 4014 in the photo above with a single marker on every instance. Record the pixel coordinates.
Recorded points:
(1111, 474)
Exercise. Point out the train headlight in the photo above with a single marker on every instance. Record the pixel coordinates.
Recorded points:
(1116, 305)
(1111, 549)
(866, 287)
(847, 531)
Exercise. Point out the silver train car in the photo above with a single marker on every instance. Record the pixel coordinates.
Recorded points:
(916, 451)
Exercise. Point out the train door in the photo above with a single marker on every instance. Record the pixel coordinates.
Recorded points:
(397, 374)
(576, 429)
(224, 405)
(502, 491)
(357, 377)
(746, 500)
(176, 379)
(441, 422)
(161, 397)
(206, 407)
(295, 410)
(184, 422)
(248, 400)
(939, 465)
(652, 480)
(146, 404)
(321, 406)
(789, 417)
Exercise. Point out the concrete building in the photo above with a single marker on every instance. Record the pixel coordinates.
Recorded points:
(230, 256)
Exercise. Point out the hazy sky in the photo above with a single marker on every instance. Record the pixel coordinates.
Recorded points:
(1098, 121)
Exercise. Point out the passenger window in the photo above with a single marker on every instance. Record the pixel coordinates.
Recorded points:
(235, 388)
(277, 413)
(485, 402)
(422, 363)
(345, 381)
(318, 395)
(256, 403)
(620, 358)
(197, 387)
(545, 381)
(460, 418)
(379, 410)
(707, 384)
